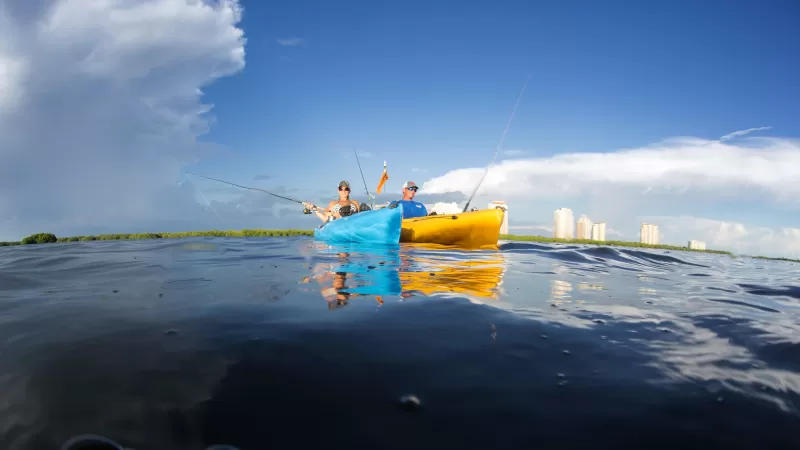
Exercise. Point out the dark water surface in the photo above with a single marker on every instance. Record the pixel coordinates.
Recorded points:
(278, 343)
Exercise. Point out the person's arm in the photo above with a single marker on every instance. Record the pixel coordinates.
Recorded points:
(321, 213)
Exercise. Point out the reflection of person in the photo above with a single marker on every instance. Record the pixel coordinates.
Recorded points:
(336, 295)
(337, 208)
(410, 207)
(336, 292)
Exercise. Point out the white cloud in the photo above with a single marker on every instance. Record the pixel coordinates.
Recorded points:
(539, 228)
(100, 109)
(743, 132)
(679, 165)
(675, 177)
(445, 208)
(291, 42)
(736, 237)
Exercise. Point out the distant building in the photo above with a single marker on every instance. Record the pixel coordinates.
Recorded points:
(697, 245)
(649, 234)
(584, 228)
(599, 231)
(563, 224)
(501, 205)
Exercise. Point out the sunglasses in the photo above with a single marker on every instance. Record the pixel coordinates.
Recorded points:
(344, 189)
(413, 188)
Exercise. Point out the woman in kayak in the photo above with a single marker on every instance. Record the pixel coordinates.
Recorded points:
(337, 208)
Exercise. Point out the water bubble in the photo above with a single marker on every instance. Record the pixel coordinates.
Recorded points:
(410, 402)
(566, 352)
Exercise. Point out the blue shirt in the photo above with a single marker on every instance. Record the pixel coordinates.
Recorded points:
(412, 209)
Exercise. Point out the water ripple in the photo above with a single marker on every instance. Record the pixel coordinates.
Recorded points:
(181, 344)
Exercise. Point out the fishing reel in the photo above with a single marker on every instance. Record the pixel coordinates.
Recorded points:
(306, 211)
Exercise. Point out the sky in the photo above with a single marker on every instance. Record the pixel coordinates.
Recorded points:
(683, 114)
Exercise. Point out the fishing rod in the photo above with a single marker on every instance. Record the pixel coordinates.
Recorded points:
(247, 187)
(508, 124)
(372, 206)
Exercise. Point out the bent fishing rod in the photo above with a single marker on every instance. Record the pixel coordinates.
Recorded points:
(502, 138)
(246, 187)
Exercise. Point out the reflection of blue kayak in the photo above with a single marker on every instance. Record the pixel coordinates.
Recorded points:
(373, 269)
(380, 226)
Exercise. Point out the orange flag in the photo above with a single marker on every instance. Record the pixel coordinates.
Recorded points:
(384, 177)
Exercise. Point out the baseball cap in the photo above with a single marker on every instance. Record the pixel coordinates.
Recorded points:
(344, 183)
(410, 184)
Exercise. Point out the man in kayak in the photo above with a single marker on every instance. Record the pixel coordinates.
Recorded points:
(337, 208)
(410, 207)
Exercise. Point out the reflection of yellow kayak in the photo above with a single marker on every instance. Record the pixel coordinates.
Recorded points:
(475, 229)
(461, 277)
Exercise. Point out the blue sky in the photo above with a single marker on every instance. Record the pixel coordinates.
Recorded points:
(427, 86)
(422, 84)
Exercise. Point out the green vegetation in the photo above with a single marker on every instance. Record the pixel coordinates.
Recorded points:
(774, 259)
(39, 238)
(512, 237)
(43, 238)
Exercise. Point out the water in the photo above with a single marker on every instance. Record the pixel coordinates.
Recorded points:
(277, 343)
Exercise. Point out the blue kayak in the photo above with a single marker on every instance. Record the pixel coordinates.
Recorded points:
(381, 226)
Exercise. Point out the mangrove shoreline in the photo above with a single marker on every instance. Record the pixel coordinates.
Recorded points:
(46, 238)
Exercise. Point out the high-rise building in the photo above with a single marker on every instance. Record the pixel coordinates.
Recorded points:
(563, 224)
(502, 205)
(649, 234)
(584, 228)
(697, 245)
(599, 231)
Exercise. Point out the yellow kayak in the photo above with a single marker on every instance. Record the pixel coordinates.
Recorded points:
(474, 229)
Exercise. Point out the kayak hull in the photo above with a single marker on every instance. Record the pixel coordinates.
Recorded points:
(380, 226)
(474, 229)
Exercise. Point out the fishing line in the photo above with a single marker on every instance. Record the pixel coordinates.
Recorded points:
(247, 187)
(208, 203)
(362, 178)
(508, 124)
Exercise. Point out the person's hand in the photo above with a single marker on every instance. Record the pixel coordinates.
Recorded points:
(310, 206)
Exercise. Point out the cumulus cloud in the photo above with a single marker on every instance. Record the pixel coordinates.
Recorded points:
(679, 165)
(736, 237)
(674, 177)
(100, 108)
